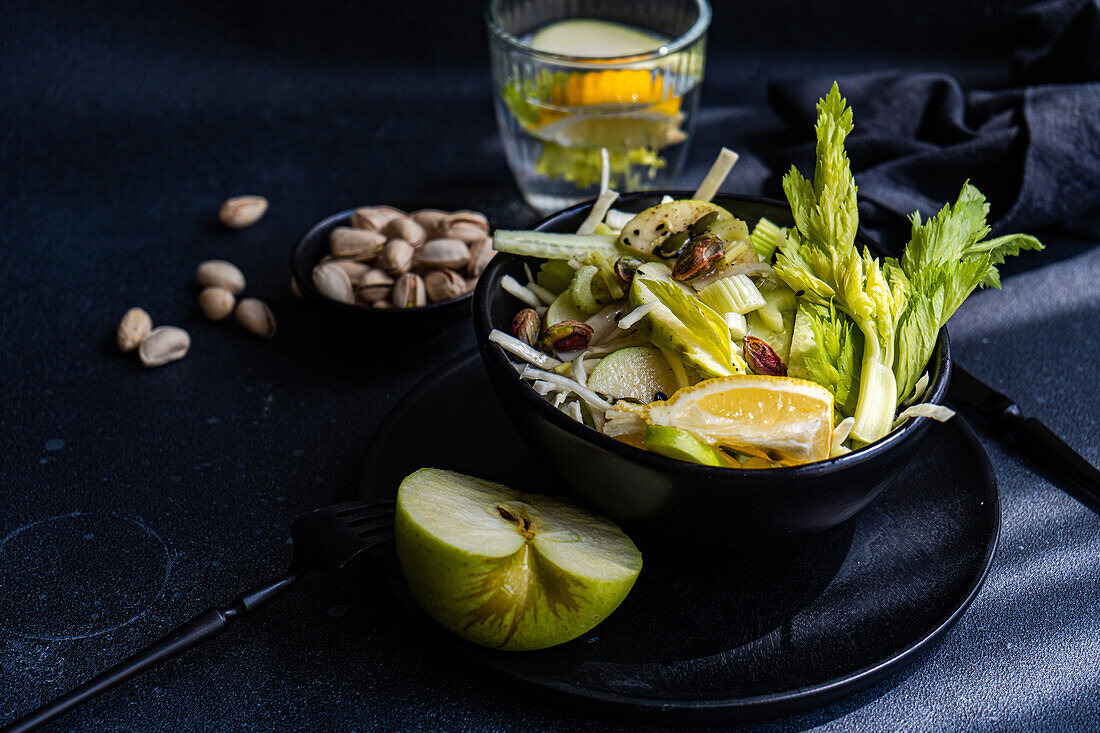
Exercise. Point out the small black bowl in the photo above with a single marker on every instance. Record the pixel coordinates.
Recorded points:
(666, 499)
(402, 324)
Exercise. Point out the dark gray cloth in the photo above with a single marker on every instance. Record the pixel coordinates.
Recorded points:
(1033, 149)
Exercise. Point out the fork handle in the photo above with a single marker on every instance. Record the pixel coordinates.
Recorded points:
(187, 635)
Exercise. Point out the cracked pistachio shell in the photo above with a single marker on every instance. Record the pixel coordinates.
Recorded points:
(374, 286)
(408, 291)
(444, 285)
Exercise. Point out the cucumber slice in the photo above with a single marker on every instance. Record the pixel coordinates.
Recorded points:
(681, 445)
(637, 372)
(646, 230)
(554, 246)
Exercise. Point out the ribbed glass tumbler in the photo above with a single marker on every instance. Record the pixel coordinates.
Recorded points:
(576, 77)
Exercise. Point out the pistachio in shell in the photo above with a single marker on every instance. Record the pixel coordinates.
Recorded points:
(526, 326)
(567, 336)
(449, 253)
(374, 286)
(626, 267)
(402, 227)
(408, 291)
(354, 243)
(699, 257)
(374, 217)
(762, 358)
(443, 285)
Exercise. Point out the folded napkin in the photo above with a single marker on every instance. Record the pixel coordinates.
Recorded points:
(1032, 149)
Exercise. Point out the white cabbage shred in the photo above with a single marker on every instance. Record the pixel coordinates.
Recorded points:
(925, 409)
(524, 351)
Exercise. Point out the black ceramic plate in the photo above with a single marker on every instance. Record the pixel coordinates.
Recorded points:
(727, 636)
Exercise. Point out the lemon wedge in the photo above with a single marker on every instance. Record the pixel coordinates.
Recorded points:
(781, 419)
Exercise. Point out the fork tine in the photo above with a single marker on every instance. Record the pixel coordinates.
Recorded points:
(382, 523)
(371, 515)
(348, 508)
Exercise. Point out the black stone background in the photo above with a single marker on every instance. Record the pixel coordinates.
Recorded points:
(130, 499)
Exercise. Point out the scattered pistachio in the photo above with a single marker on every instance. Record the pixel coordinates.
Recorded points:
(408, 291)
(253, 314)
(221, 274)
(382, 304)
(567, 336)
(396, 257)
(216, 302)
(673, 245)
(526, 326)
(133, 329)
(355, 243)
(762, 358)
(699, 257)
(241, 211)
(626, 267)
(163, 345)
(450, 253)
(444, 285)
(333, 282)
(402, 227)
(374, 217)
(374, 286)
(295, 290)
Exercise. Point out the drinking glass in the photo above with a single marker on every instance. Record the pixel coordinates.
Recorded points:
(557, 112)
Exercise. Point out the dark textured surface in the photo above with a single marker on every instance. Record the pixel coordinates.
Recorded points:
(768, 630)
(122, 128)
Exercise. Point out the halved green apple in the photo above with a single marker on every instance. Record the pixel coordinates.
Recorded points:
(506, 569)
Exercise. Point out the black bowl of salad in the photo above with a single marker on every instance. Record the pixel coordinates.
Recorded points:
(658, 495)
(715, 368)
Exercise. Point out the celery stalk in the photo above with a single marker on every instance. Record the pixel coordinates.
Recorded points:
(736, 294)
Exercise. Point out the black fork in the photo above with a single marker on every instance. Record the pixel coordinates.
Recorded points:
(324, 539)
